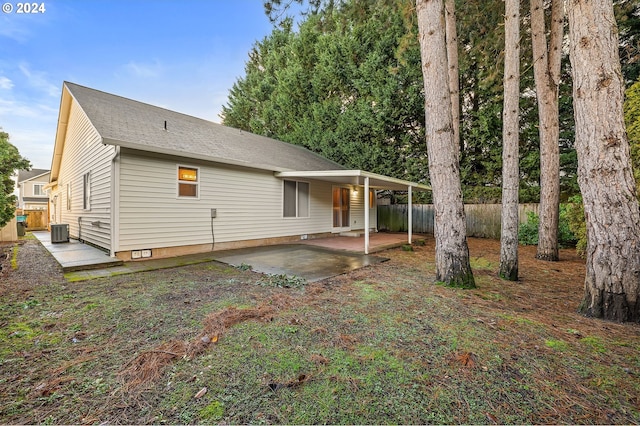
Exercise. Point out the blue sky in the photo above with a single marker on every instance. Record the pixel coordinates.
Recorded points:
(183, 55)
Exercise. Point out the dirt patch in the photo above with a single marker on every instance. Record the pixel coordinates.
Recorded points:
(36, 267)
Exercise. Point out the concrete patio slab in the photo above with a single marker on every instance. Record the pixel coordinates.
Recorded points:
(310, 262)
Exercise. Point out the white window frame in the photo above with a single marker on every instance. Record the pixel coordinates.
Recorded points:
(195, 183)
(41, 191)
(86, 191)
(297, 201)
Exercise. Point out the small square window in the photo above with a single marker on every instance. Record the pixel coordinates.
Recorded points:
(188, 181)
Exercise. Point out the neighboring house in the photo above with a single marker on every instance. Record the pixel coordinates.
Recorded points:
(31, 194)
(142, 181)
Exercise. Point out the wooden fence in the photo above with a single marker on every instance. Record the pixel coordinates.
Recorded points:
(37, 220)
(483, 220)
(9, 232)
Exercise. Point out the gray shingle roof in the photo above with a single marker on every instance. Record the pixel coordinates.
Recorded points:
(133, 124)
(26, 175)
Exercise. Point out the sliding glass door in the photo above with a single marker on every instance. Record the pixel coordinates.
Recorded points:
(341, 209)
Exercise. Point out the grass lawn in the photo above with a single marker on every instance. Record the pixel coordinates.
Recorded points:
(208, 343)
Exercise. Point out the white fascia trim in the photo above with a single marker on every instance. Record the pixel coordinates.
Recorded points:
(351, 173)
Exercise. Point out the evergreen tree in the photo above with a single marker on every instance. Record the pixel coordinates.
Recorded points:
(452, 252)
(510, 137)
(546, 68)
(612, 282)
(10, 162)
(347, 85)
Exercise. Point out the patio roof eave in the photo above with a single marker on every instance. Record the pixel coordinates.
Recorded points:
(355, 177)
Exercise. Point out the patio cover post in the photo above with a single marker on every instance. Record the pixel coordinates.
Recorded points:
(366, 215)
(410, 215)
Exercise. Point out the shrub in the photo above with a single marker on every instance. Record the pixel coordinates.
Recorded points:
(528, 231)
(566, 236)
(577, 224)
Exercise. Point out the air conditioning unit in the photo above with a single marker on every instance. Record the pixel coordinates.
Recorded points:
(60, 233)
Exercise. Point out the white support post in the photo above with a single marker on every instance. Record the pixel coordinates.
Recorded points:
(366, 215)
(410, 215)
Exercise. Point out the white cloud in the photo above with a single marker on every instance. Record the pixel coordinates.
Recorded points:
(5, 83)
(31, 124)
(36, 145)
(144, 70)
(11, 28)
(39, 80)
(14, 108)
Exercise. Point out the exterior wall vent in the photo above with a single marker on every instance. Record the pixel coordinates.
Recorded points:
(60, 233)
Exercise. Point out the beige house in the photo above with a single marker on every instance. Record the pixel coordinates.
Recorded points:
(141, 181)
(31, 194)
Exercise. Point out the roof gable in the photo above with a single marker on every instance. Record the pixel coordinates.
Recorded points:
(132, 124)
(30, 174)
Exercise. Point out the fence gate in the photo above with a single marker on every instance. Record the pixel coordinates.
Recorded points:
(36, 219)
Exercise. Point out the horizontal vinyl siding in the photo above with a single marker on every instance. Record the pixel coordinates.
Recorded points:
(357, 212)
(248, 203)
(84, 152)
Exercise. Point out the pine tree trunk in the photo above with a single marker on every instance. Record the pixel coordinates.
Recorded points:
(510, 141)
(546, 69)
(454, 75)
(612, 282)
(452, 252)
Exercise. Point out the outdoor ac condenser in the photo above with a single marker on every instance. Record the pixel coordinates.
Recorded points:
(60, 233)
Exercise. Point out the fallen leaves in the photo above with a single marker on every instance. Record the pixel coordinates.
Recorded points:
(467, 359)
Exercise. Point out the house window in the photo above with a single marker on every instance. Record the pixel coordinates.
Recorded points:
(37, 189)
(296, 199)
(86, 192)
(188, 181)
(68, 196)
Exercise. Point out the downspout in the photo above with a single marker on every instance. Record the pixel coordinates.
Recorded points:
(115, 201)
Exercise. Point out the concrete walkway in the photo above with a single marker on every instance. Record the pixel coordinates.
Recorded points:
(75, 256)
(81, 262)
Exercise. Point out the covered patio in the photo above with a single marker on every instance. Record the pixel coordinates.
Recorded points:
(368, 182)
